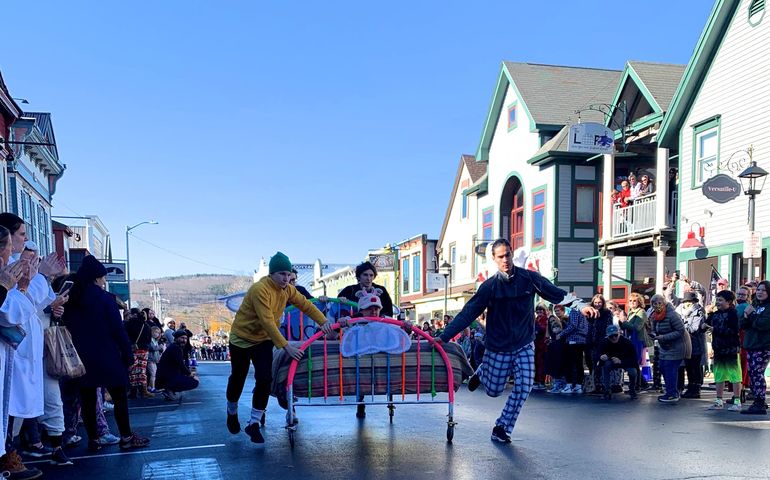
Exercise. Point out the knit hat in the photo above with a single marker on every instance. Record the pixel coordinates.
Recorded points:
(180, 332)
(690, 297)
(91, 269)
(279, 263)
(369, 300)
(612, 330)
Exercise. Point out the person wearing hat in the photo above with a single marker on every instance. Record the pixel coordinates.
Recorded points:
(693, 315)
(96, 326)
(173, 375)
(617, 352)
(254, 334)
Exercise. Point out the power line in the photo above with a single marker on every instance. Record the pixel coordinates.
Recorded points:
(183, 256)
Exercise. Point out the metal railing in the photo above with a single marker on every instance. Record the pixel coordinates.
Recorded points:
(636, 218)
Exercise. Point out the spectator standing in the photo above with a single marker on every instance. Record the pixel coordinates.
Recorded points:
(541, 345)
(554, 355)
(726, 343)
(756, 323)
(693, 315)
(575, 335)
(668, 330)
(153, 357)
(149, 313)
(636, 329)
(169, 332)
(92, 314)
(139, 331)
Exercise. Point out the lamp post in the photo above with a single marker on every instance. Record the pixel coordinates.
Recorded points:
(445, 269)
(128, 262)
(752, 180)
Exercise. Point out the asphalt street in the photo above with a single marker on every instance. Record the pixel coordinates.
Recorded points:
(556, 437)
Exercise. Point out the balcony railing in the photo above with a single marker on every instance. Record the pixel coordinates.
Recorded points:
(639, 217)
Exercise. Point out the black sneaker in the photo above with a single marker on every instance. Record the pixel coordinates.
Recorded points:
(60, 458)
(692, 394)
(233, 425)
(499, 435)
(474, 382)
(37, 452)
(756, 408)
(252, 430)
(361, 411)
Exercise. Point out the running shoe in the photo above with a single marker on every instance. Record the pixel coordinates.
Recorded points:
(108, 439)
(60, 458)
(499, 435)
(252, 430)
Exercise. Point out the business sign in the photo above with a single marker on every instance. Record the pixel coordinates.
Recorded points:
(435, 281)
(116, 272)
(383, 263)
(721, 188)
(306, 266)
(752, 245)
(591, 137)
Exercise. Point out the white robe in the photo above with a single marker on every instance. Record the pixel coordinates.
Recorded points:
(27, 394)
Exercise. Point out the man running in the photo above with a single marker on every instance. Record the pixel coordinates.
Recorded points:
(508, 297)
(253, 335)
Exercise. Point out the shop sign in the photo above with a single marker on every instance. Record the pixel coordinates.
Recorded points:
(721, 188)
(752, 245)
(591, 137)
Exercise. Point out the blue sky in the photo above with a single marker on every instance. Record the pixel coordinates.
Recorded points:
(318, 129)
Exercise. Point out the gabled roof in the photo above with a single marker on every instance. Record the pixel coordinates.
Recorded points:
(660, 80)
(6, 101)
(696, 70)
(558, 146)
(477, 170)
(550, 94)
(44, 125)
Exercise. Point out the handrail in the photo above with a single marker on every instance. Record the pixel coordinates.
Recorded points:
(431, 341)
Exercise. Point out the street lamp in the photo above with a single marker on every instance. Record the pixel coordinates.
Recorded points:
(128, 271)
(752, 180)
(445, 269)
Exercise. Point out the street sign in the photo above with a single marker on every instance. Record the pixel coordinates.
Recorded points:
(721, 188)
(591, 137)
(383, 263)
(434, 281)
(116, 272)
(119, 289)
(307, 266)
(752, 245)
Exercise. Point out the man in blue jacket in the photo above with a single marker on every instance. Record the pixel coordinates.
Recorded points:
(508, 296)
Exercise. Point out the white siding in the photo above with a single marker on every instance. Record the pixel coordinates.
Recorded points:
(565, 201)
(584, 292)
(736, 88)
(460, 231)
(619, 268)
(643, 267)
(585, 173)
(570, 268)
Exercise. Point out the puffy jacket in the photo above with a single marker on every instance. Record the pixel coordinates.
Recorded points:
(757, 326)
(693, 318)
(638, 323)
(668, 332)
(510, 304)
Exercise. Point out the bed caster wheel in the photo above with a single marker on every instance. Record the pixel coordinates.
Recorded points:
(291, 437)
(450, 433)
(391, 411)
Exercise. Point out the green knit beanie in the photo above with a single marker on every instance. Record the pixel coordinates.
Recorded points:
(279, 263)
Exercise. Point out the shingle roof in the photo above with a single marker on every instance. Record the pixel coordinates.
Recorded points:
(553, 93)
(476, 169)
(661, 79)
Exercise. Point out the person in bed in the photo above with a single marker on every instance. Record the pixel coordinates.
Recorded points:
(508, 297)
(253, 335)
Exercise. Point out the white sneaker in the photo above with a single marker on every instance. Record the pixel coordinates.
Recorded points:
(735, 407)
(578, 390)
(555, 389)
(567, 390)
(718, 405)
(108, 439)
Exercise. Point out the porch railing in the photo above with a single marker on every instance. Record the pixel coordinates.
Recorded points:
(639, 217)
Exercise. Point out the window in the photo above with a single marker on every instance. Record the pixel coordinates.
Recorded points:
(705, 151)
(538, 218)
(453, 257)
(416, 271)
(512, 116)
(585, 205)
(465, 206)
(487, 225)
(405, 275)
(756, 11)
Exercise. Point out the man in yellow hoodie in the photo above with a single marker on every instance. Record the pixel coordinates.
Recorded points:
(253, 335)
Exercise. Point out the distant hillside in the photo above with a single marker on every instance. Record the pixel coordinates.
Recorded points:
(188, 290)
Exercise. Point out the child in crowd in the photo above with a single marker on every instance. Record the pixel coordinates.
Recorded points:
(725, 342)
(153, 357)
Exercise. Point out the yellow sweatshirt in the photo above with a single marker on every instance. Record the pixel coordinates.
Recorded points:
(259, 317)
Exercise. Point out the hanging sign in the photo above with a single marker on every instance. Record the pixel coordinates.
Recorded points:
(752, 245)
(591, 137)
(721, 188)
(383, 263)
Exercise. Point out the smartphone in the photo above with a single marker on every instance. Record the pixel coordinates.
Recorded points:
(65, 288)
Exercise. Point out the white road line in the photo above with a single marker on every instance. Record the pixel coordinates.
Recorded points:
(135, 452)
(161, 405)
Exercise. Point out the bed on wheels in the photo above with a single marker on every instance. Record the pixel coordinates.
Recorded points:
(324, 377)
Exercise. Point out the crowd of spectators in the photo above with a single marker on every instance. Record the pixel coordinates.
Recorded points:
(124, 355)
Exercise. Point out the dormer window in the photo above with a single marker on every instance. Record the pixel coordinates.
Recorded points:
(756, 11)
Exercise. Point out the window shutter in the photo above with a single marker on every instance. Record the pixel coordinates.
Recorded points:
(756, 7)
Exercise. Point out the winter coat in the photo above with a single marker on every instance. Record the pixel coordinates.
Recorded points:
(350, 291)
(757, 326)
(725, 340)
(139, 332)
(668, 332)
(693, 319)
(637, 324)
(599, 331)
(97, 331)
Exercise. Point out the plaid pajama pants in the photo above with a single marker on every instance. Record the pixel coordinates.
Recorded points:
(494, 372)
